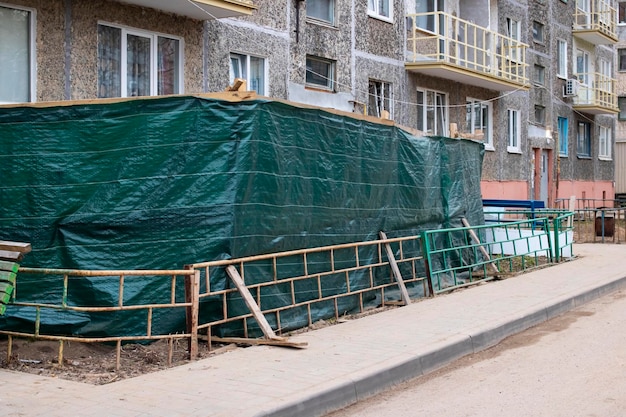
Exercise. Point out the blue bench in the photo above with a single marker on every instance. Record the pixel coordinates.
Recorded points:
(531, 205)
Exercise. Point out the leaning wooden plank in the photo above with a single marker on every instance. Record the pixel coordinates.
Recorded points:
(480, 246)
(7, 255)
(252, 305)
(255, 342)
(396, 270)
(9, 266)
(15, 246)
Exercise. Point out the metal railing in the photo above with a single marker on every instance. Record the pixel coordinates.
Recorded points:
(291, 288)
(443, 38)
(596, 15)
(456, 258)
(57, 287)
(597, 90)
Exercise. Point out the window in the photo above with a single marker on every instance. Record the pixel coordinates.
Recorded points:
(321, 10)
(432, 112)
(583, 5)
(563, 136)
(621, 13)
(427, 21)
(478, 117)
(380, 100)
(514, 32)
(604, 141)
(539, 74)
(622, 59)
(513, 128)
(320, 73)
(380, 8)
(582, 66)
(137, 63)
(249, 68)
(583, 139)
(621, 101)
(540, 115)
(17, 55)
(561, 65)
(538, 32)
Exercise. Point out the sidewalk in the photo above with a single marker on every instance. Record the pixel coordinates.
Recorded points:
(343, 363)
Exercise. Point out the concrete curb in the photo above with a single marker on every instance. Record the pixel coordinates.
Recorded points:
(373, 381)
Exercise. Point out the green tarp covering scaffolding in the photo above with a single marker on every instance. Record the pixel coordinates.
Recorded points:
(160, 183)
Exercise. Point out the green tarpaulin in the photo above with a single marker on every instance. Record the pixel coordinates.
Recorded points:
(160, 183)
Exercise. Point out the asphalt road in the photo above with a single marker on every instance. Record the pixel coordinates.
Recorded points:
(571, 366)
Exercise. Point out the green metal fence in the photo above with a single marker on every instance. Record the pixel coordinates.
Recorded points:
(515, 241)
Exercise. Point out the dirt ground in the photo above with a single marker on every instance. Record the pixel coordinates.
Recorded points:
(95, 363)
(90, 362)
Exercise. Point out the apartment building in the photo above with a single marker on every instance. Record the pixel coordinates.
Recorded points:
(533, 80)
(620, 136)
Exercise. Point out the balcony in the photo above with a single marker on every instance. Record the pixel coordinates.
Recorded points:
(596, 94)
(442, 45)
(199, 9)
(595, 21)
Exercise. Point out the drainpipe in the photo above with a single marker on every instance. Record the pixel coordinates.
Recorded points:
(298, 20)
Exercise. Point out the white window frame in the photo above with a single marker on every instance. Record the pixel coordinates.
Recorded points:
(373, 10)
(383, 93)
(583, 77)
(443, 109)
(514, 31)
(331, 7)
(432, 22)
(562, 58)
(485, 108)
(247, 76)
(330, 81)
(513, 131)
(32, 46)
(604, 143)
(154, 36)
(621, 12)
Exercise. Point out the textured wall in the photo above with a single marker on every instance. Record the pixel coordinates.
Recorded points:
(85, 17)
(50, 35)
(226, 36)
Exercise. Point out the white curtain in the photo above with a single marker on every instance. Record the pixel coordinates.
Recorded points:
(14, 55)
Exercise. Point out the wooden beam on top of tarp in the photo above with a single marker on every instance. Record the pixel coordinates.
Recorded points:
(396, 270)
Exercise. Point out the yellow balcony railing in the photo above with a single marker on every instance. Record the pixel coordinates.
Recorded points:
(477, 55)
(596, 94)
(595, 21)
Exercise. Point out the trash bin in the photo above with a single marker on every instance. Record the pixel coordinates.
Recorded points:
(606, 218)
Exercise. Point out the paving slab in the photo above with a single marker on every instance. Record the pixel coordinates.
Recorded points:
(343, 363)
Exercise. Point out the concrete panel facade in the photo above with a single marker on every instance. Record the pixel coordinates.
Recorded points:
(363, 47)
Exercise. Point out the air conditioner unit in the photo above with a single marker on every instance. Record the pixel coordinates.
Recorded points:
(570, 88)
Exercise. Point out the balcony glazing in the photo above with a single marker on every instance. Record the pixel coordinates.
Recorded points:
(442, 45)
(595, 21)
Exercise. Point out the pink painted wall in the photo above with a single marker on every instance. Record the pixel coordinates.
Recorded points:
(504, 190)
(518, 190)
(591, 190)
